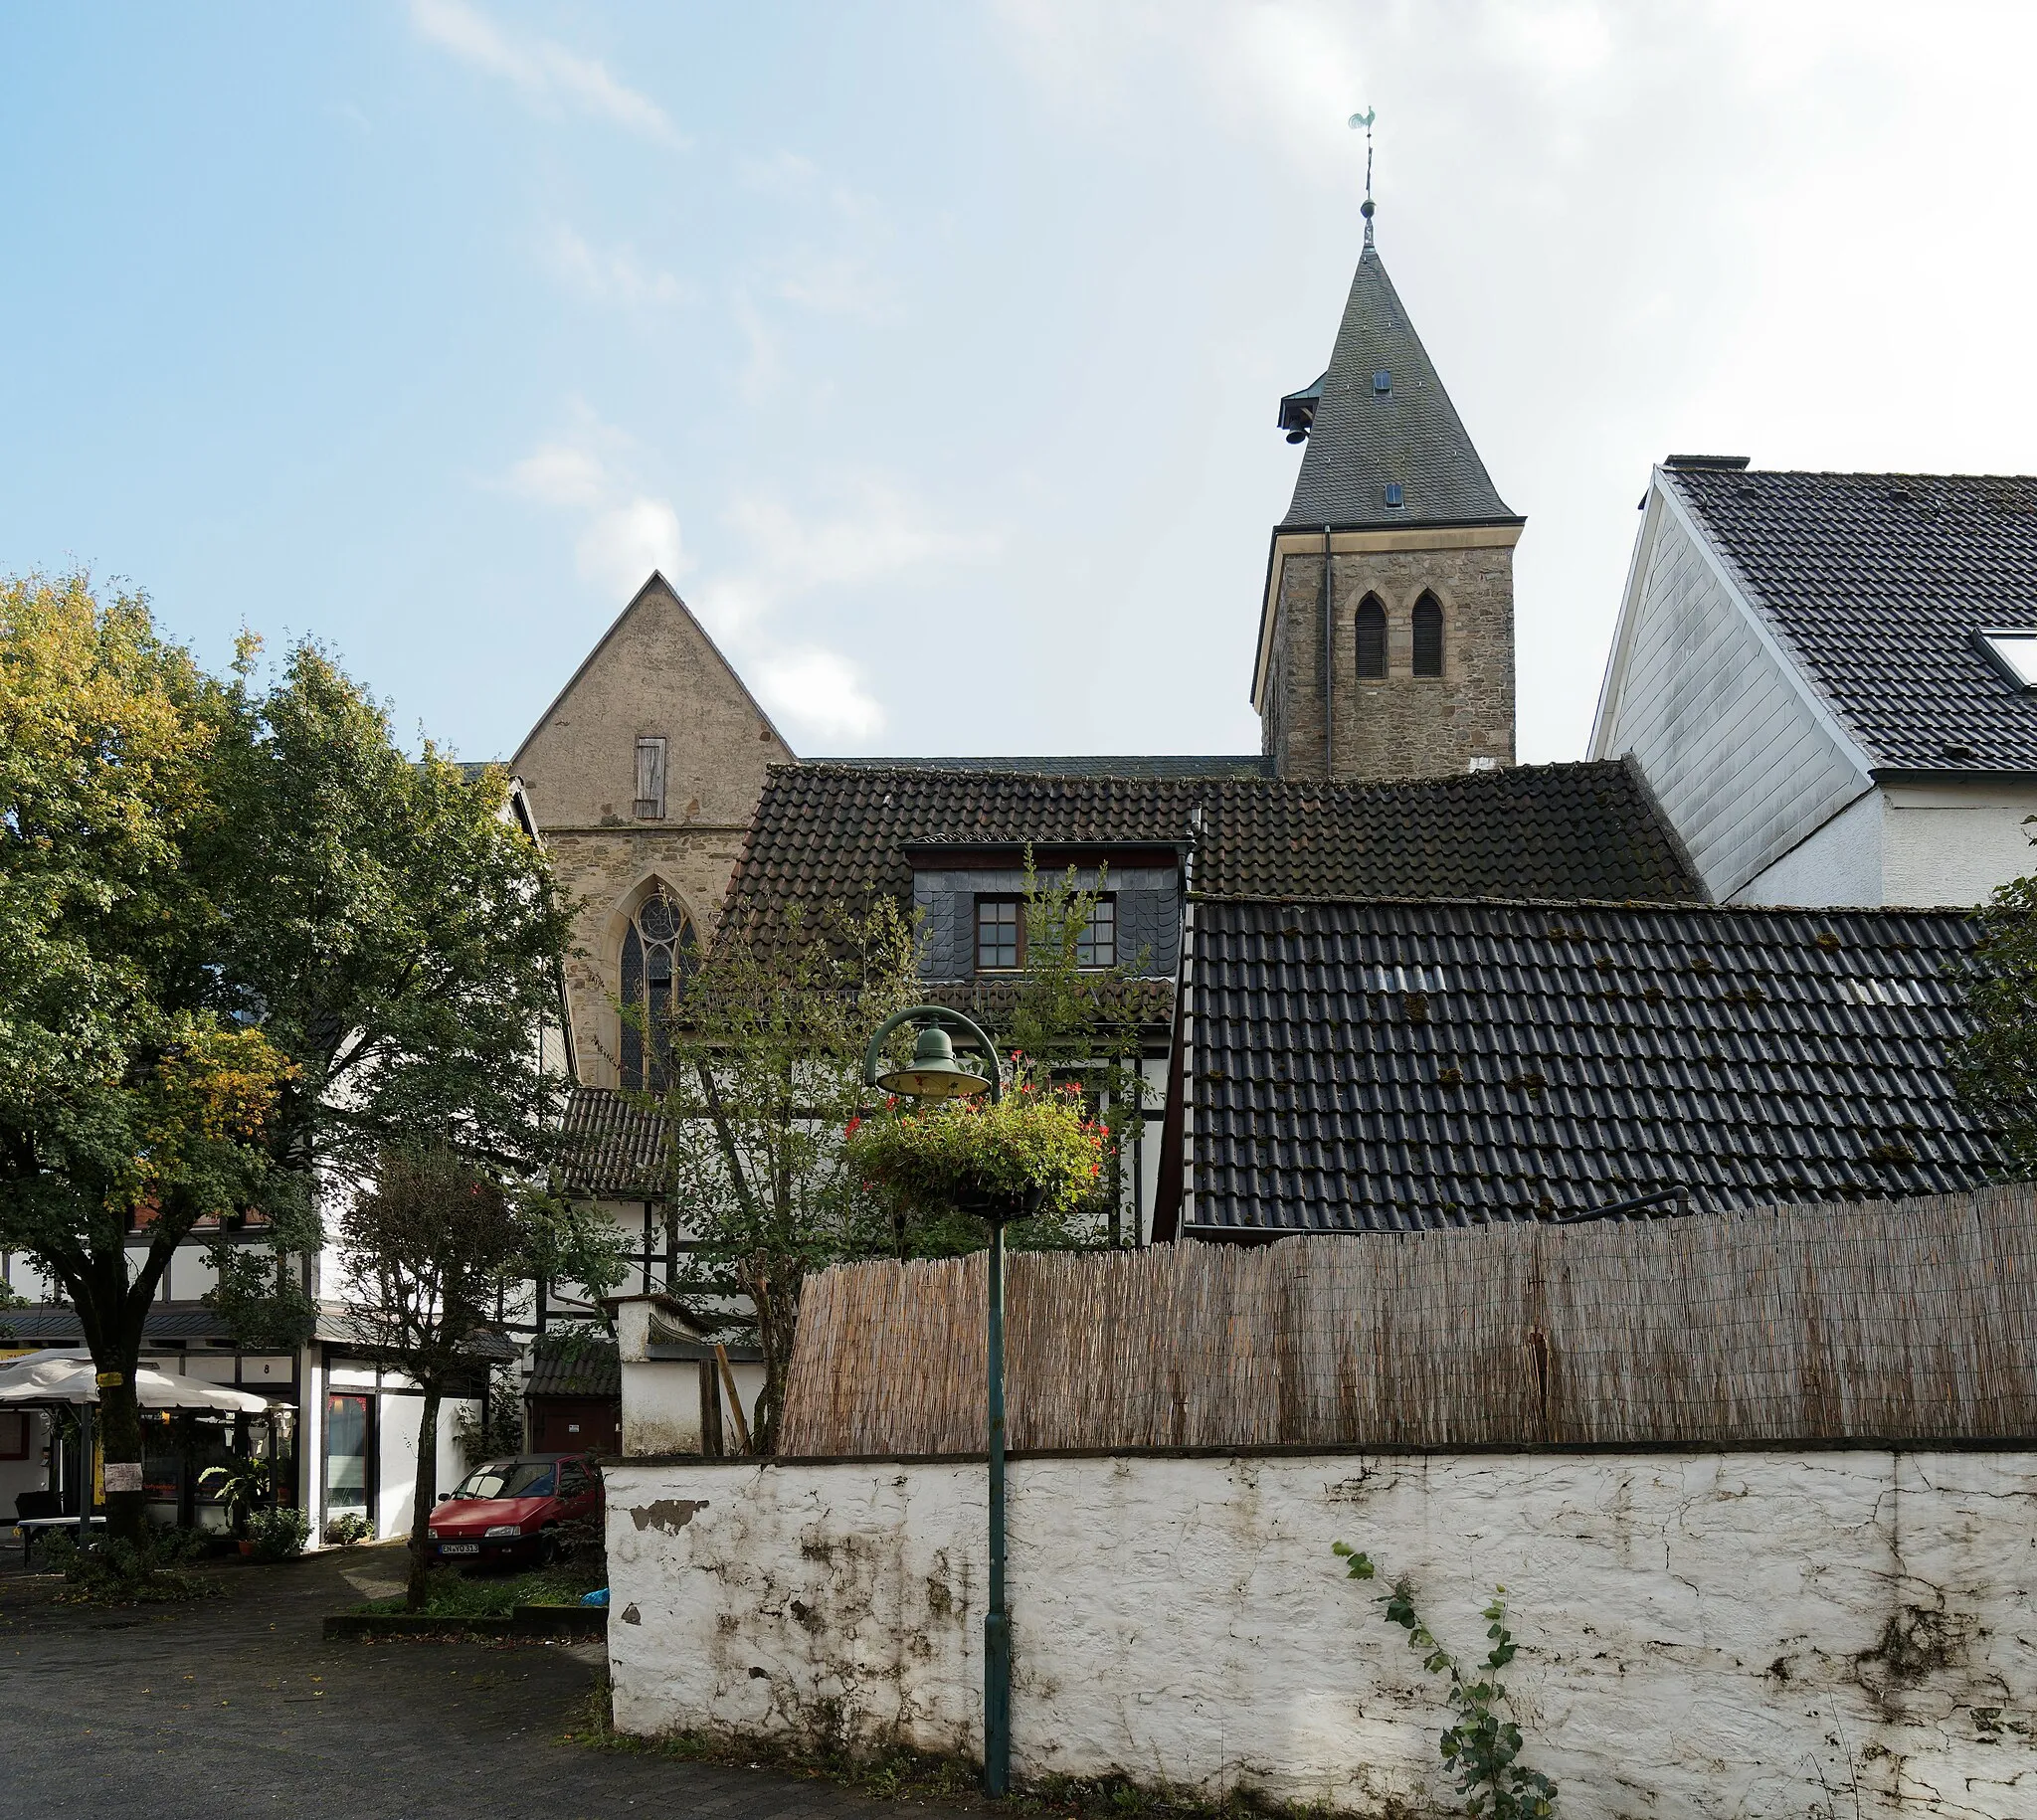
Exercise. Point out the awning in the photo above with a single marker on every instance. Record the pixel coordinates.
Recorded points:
(68, 1376)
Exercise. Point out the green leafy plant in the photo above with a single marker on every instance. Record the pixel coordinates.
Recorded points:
(1483, 1747)
(279, 1533)
(950, 1154)
(1076, 1019)
(1994, 1065)
(117, 1572)
(240, 1486)
(500, 1431)
(762, 1073)
(345, 1532)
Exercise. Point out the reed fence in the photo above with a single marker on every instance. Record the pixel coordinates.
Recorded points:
(1900, 1322)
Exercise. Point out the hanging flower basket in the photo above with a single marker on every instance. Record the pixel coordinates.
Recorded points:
(1030, 1153)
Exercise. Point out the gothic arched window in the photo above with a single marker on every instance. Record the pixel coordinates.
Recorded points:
(660, 953)
(1429, 636)
(1372, 636)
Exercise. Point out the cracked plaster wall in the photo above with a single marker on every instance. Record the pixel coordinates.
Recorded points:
(1844, 1633)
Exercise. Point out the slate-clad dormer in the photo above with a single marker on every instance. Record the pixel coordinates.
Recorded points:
(970, 903)
(1405, 665)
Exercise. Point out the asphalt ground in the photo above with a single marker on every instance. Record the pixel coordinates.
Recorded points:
(232, 1707)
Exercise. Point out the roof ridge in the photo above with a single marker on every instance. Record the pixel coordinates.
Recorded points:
(1954, 912)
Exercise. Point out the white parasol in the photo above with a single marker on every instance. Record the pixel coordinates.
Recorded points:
(70, 1377)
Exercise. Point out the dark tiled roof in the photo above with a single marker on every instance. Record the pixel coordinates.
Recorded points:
(1876, 583)
(1409, 435)
(1530, 831)
(838, 835)
(58, 1322)
(1396, 1066)
(611, 1146)
(1132, 765)
(576, 1366)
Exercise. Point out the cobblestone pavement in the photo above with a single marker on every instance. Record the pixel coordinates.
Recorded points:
(233, 1708)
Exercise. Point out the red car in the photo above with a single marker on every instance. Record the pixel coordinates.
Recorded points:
(513, 1510)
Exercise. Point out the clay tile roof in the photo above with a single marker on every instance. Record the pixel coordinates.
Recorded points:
(827, 835)
(574, 1365)
(1876, 584)
(611, 1145)
(1396, 1066)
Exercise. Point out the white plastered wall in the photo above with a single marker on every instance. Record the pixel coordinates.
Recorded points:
(1748, 1634)
(1943, 844)
(1839, 865)
(1953, 846)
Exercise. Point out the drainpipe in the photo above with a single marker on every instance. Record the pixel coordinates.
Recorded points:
(1328, 672)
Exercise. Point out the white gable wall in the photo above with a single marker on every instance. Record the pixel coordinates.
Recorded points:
(1744, 763)
(1841, 864)
(1954, 845)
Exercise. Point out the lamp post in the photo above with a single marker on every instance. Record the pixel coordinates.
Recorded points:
(934, 1074)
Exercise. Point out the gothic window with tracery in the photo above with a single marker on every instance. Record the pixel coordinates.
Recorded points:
(660, 953)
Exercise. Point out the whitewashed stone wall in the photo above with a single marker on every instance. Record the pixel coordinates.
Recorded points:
(1844, 1633)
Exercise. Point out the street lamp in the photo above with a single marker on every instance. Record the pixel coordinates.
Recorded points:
(934, 1074)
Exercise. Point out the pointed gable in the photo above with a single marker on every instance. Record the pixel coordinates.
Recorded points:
(1382, 421)
(657, 675)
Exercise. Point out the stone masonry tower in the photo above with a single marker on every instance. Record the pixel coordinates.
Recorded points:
(1403, 664)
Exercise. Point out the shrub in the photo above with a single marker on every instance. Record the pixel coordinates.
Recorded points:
(345, 1532)
(279, 1533)
(116, 1572)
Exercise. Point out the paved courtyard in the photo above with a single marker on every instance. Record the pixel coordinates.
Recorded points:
(234, 1707)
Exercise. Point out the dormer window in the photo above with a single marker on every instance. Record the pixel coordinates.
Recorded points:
(1097, 945)
(1001, 935)
(2013, 651)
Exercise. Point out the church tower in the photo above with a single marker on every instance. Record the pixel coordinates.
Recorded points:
(1401, 663)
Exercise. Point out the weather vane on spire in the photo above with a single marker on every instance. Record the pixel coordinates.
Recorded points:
(1357, 120)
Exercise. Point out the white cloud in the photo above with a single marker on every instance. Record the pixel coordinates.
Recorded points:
(612, 276)
(877, 529)
(559, 474)
(624, 532)
(545, 72)
(618, 550)
(819, 692)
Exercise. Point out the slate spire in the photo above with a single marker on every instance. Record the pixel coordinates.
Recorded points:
(1384, 445)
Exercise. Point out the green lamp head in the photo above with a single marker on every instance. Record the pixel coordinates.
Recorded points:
(933, 1073)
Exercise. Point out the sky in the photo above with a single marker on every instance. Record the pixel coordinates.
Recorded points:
(932, 348)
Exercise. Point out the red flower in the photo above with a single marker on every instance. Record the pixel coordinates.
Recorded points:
(849, 1131)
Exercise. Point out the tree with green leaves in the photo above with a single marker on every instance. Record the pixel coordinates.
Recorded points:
(1994, 1069)
(1082, 1022)
(246, 943)
(433, 1252)
(133, 1105)
(761, 1078)
(395, 932)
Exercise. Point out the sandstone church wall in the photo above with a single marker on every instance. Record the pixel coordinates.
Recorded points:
(1402, 725)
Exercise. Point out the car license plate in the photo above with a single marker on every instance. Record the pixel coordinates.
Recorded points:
(459, 1547)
